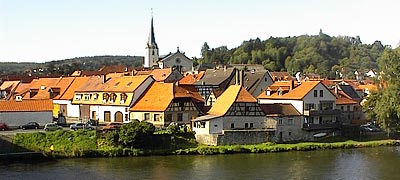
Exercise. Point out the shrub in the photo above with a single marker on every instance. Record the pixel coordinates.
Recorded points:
(135, 133)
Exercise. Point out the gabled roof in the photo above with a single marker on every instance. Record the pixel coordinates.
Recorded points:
(191, 78)
(26, 105)
(344, 100)
(281, 76)
(9, 85)
(350, 91)
(159, 95)
(43, 85)
(280, 110)
(252, 79)
(297, 93)
(69, 93)
(234, 93)
(215, 76)
(161, 74)
(170, 55)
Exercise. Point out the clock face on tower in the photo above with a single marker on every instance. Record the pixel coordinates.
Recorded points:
(177, 60)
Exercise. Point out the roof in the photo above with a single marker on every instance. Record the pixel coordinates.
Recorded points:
(205, 117)
(234, 93)
(370, 87)
(157, 98)
(344, 100)
(69, 93)
(43, 85)
(252, 78)
(26, 105)
(153, 100)
(9, 85)
(349, 90)
(298, 92)
(191, 78)
(281, 76)
(215, 76)
(161, 74)
(280, 110)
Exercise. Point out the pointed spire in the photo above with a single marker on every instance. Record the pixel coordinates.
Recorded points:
(152, 40)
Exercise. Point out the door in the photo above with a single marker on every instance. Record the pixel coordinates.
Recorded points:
(107, 116)
(94, 115)
(63, 110)
(84, 112)
(118, 116)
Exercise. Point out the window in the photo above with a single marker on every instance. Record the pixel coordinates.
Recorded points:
(321, 93)
(215, 125)
(251, 125)
(311, 120)
(168, 117)
(78, 97)
(326, 106)
(309, 107)
(348, 107)
(146, 116)
(280, 121)
(290, 133)
(246, 125)
(87, 97)
(290, 121)
(181, 106)
(180, 116)
(202, 124)
(156, 117)
(342, 108)
(315, 93)
(96, 96)
(232, 125)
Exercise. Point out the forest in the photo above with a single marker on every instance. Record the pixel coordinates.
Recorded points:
(67, 66)
(318, 54)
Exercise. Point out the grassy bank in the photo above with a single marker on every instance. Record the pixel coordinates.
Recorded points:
(89, 144)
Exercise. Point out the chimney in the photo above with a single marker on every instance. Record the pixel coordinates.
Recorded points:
(236, 77)
(103, 78)
(336, 90)
(291, 84)
(268, 92)
(224, 67)
(241, 78)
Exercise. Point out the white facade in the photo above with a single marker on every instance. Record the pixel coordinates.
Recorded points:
(100, 111)
(217, 125)
(177, 60)
(72, 109)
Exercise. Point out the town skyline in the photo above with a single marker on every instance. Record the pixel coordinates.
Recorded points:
(46, 31)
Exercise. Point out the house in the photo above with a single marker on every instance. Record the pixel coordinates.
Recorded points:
(371, 73)
(167, 75)
(213, 83)
(63, 104)
(164, 103)
(235, 118)
(109, 100)
(19, 112)
(311, 98)
(7, 89)
(348, 101)
(176, 60)
(255, 81)
(46, 88)
(190, 79)
(287, 123)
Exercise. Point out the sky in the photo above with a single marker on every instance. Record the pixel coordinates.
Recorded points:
(46, 30)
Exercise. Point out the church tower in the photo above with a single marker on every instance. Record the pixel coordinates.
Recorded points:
(152, 49)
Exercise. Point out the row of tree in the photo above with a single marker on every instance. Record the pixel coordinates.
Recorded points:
(320, 54)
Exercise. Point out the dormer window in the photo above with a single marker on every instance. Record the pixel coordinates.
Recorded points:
(105, 97)
(87, 97)
(78, 97)
(113, 97)
(96, 96)
(123, 98)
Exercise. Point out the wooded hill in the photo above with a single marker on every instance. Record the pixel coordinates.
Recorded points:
(67, 66)
(320, 54)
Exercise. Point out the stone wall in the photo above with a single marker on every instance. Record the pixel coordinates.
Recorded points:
(229, 137)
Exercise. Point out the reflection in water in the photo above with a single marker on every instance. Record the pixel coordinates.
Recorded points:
(367, 163)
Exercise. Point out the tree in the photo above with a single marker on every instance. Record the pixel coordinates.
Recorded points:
(135, 133)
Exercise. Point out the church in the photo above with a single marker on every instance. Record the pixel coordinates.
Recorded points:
(176, 60)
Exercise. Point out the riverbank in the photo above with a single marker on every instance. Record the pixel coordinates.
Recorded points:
(69, 144)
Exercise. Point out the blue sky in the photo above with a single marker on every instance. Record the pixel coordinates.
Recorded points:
(45, 30)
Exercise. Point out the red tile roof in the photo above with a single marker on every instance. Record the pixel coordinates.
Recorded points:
(234, 93)
(191, 78)
(26, 106)
(297, 93)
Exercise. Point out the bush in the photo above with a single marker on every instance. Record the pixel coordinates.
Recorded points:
(135, 133)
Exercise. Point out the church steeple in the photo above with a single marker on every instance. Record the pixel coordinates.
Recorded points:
(152, 48)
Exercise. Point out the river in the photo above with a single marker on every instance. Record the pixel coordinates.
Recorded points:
(364, 163)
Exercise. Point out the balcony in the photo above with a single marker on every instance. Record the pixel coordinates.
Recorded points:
(323, 112)
(311, 127)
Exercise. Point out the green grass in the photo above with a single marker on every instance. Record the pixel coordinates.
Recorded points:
(87, 144)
